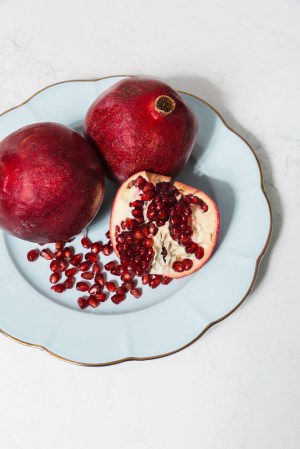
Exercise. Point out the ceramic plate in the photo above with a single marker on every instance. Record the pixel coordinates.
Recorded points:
(171, 317)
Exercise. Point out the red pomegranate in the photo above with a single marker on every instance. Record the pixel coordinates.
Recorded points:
(141, 124)
(162, 229)
(51, 183)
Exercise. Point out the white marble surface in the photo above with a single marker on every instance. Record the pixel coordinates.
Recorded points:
(238, 387)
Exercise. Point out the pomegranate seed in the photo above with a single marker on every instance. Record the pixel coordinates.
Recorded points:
(85, 266)
(96, 247)
(166, 280)
(136, 292)
(204, 207)
(129, 285)
(131, 223)
(54, 277)
(146, 278)
(151, 214)
(111, 286)
(118, 298)
(93, 301)
(54, 265)
(140, 182)
(199, 252)
(190, 249)
(138, 234)
(106, 250)
(58, 288)
(88, 275)
(99, 279)
(47, 254)
(76, 259)
(121, 290)
(96, 268)
(152, 229)
(136, 203)
(32, 255)
(101, 296)
(139, 271)
(107, 234)
(175, 220)
(137, 212)
(94, 289)
(59, 245)
(155, 281)
(82, 302)
(160, 222)
(110, 265)
(148, 195)
(68, 252)
(116, 271)
(92, 257)
(59, 254)
(82, 286)
(126, 276)
(187, 264)
(69, 282)
(85, 242)
(71, 272)
(178, 266)
(62, 264)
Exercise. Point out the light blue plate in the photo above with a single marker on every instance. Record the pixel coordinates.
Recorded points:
(171, 317)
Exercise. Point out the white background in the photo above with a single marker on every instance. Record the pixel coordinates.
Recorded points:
(238, 386)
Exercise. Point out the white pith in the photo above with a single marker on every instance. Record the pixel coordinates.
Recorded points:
(204, 229)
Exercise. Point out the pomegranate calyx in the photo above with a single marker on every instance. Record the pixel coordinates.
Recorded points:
(164, 104)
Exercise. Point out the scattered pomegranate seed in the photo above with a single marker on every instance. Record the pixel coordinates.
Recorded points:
(54, 277)
(87, 275)
(146, 278)
(121, 290)
(99, 279)
(111, 286)
(110, 265)
(95, 289)
(116, 271)
(68, 252)
(62, 264)
(59, 245)
(85, 266)
(101, 296)
(126, 276)
(54, 265)
(92, 257)
(70, 272)
(85, 242)
(76, 259)
(155, 281)
(136, 292)
(118, 298)
(96, 268)
(96, 247)
(166, 280)
(59, 254)
(69, 282)
(93, 301)
(82, 286)
(32, 255)
(58, 288)
(47, 254)
(82, 302)
(107, 234)
(106, 250)
(129, 285)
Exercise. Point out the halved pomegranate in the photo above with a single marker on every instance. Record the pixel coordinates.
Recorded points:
(161, 228)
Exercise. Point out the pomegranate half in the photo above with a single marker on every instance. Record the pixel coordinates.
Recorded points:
(161, 228)
(51, 183)
(141, 124)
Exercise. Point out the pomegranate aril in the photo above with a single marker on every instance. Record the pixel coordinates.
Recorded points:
(199, 252)
(85, 266)
(71, 272)
(204, 207)
(155, 281)
(99, 279)
(140, 182)
(131, 223)
(178, 266)
(148, 242)
(151, 214)
(111, 286)
(47, 254)
(126, 276)
(95, 289)
(59, 254)
(137, 212)
(152, 229)
(121, 290)
(187, 264)
(107, 234)
(175, 220)
(128, 285)
(54, 266)
(58, 288)
(148, 186)
(106, 250)
(92, 257)
(136, 292)
(68, 252)
(82, 302)
(82, 286)
(148, 195)
(136, 203)
(69, 282)
(59, 245)
(139, 271)
(101, 296)
(96, 247)
(163, 215)
(62, 264)
(85, 242)
(93, 301)
(76, 259)
(190, 249)
(32, 255)
(110, 265)
(54, 277)
(166, 280)
(116, 271)
(138, 234)
(116, 299)
(160, 222)
(96, 268)
(88, 275)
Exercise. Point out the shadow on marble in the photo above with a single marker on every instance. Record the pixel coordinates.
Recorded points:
(213, 95)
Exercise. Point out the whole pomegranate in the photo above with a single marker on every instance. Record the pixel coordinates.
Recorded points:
(51, 183)
(162, 229)
(141, 124)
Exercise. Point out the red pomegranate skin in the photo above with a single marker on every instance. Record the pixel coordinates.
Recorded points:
(131, 135)
(51, 183)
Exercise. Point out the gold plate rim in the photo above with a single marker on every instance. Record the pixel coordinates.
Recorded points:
(128, 359)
